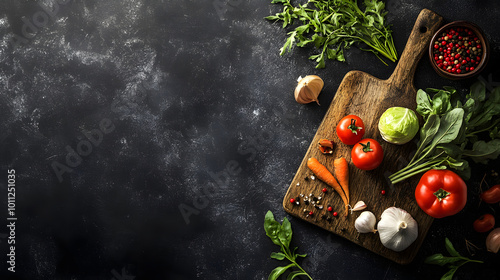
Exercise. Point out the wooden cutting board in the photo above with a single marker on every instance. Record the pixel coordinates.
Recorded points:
(368, 97)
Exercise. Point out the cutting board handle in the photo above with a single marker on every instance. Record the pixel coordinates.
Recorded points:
(426, 25)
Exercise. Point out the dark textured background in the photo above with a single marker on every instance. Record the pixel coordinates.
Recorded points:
(191, 88)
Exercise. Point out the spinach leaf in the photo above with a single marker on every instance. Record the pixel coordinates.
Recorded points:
(483, 151)
(449, 127)
(424, 106)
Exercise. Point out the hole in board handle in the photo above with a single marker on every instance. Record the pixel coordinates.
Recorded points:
(423, 29)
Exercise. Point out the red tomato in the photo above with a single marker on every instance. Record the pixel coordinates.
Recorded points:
(350, 129)
(367, 154)
(484, 223)
(492, 195)
(441, 193)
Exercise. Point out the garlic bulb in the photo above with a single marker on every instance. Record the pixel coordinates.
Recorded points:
(308, 89)
(493, 241)
(397, 229)
(360, 205)
(365, 222)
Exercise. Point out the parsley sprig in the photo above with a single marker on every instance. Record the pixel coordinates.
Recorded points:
(334, 25)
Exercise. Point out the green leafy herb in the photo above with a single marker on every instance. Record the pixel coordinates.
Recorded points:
(334, 25)
(451, 131)
(453, 263)
(281, 235)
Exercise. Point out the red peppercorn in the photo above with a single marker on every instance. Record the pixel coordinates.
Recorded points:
(459, 71)
(324, 190)
(478, 46)
(436, 46)
(382, 192)
(478, 58)
(311, 213)
(464, 61)
(330, 209)
(292, 200)
(472, 69)
(335, 214)
(457, 55)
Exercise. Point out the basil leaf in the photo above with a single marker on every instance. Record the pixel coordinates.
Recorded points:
(278, 256)
(272, 228)
(285, 233)
(294, 274)
(450, 248)
(440, 259)
(449, 274)
(278, 271)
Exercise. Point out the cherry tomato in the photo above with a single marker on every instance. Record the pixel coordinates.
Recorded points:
(367, 154)
(350, 129)
(441, 193)
(492, 195)
(484, 223)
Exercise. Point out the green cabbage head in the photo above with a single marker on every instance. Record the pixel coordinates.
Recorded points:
(398, 125)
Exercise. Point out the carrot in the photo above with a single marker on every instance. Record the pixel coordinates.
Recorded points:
(324, 175)
(342, 174)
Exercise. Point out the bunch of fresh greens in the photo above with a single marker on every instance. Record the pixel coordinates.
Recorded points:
(334, 25)
(454, 262)
(451, 129)
(281, 235)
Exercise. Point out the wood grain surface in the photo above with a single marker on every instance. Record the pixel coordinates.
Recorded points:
(368, 97)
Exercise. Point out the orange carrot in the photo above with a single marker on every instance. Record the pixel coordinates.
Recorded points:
(342, 174)
(324, 175)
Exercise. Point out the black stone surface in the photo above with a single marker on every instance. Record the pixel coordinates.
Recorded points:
(186, 105)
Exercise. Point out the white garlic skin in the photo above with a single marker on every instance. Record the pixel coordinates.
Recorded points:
(308, 89)
(365, 222)
(397, 229)
(360, 205)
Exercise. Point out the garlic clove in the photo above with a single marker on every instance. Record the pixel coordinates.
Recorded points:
(308, 89)
(493, 241)
(360, 205)
(365, 222)
(397, 229)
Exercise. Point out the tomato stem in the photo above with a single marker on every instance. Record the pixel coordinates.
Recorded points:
(441, 194)
(366, 147)
(353, 127)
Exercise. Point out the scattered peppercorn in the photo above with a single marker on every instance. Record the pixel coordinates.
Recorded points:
(292, 200)
(324, 190)
(335, 214)
(311, 213)
(457, 50)
(382, 192)
(330, 209)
